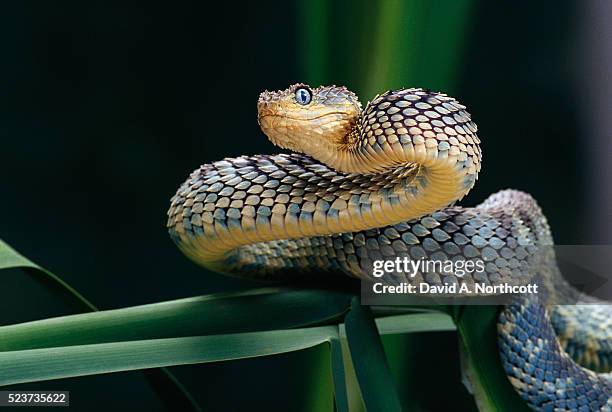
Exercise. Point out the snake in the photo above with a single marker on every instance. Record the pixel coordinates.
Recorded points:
(361, 185)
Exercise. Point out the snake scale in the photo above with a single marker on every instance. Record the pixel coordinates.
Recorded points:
(369, 184)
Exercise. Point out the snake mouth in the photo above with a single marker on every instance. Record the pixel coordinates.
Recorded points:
(299, 119)
(310, 135)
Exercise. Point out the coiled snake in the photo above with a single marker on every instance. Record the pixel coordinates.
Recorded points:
(365, 185)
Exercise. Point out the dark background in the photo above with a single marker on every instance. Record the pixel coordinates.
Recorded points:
(107, 107)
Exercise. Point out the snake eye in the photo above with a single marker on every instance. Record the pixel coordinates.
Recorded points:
(303, 96)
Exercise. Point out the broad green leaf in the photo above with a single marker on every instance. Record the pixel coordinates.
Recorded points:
(34, 365)
(482, 366)
(375, 381)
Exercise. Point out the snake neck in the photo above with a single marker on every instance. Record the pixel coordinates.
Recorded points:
(408, 154)
(426, 137)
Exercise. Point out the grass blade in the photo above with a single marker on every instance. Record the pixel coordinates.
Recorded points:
(318, 386)
(368, 356)
(167, 385)
(340, 395)
(10, 258)
(34, 365)
(260, 309)
(415, 322)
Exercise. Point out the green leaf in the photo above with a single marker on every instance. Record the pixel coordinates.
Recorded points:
(415, 322)
(260, 309)
(353, 392)
(103, 342)
(487, 380)
(418, 319)
(171, 391)
(10, 259)
(368, 357)
(221, 313)
(34, 365)
(340, 393)
(318, 386)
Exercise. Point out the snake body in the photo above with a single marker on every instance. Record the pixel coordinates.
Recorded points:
(365, 185)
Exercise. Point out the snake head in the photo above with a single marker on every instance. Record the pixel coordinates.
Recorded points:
(308, 120)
